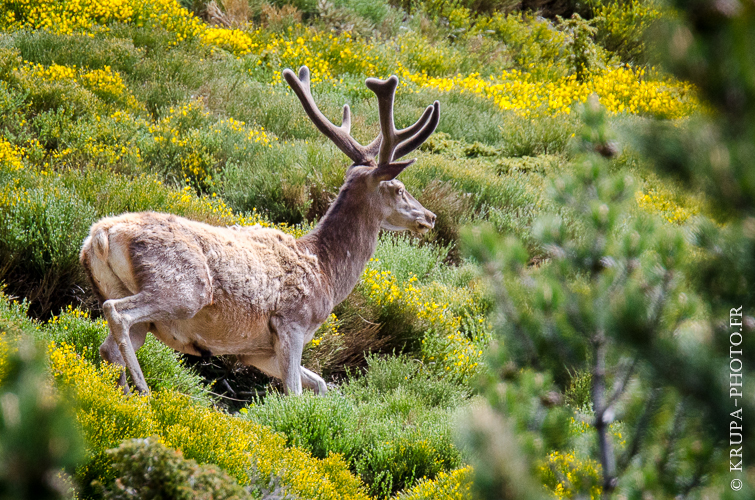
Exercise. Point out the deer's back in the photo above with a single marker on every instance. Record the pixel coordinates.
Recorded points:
(253, 268)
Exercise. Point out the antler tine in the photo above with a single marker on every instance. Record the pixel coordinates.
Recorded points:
(397, 143)
(346, 120)
(374, 147)
(339, 135)
(424, 132)
(385, 90)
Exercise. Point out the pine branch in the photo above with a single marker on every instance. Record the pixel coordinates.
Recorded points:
(642, 426)
(603, 417)
(621, 387)
(675, 431)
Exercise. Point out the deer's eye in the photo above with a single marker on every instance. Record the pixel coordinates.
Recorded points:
(399, 192)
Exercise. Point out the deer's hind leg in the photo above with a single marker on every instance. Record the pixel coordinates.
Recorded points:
(110, 352)
(137, 312)
(173, 283)
(107, 285)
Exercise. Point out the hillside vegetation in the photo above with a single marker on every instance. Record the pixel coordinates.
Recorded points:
(131, 105)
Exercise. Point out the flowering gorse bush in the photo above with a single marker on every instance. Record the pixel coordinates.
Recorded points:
(565, 474)
(104, 83)
(454, 336)
(328, 329)
(661, 201)
(620, 90)
(10, 156)
(88, 15)
(329, 56)
(455, 485)
(107, 417)
(568, 472)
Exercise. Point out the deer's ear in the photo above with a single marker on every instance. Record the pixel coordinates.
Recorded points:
(390, 171)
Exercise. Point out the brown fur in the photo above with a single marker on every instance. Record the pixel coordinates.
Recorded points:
(238, 277)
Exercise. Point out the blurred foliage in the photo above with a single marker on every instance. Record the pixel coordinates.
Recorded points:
(640, 306)
(624, 26)
(40, 444)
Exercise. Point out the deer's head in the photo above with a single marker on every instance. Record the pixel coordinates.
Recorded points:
(371, 179)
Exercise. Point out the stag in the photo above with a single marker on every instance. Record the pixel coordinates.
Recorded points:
(257, 293)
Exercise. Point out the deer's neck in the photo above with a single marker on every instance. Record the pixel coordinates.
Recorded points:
(344, 242)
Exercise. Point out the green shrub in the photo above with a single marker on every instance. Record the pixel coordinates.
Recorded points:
(533, 43)
(438, 59)
(13, 318)
(405, 257)
(385, 375)
(393, 425)
(41, 230)
(154, 39)
(509, 202)
(374, 11)
(470, 118)
(316, 424)
(166, 76)
(271, 108)
(82, 51)
(12, 112)
(276, 180)
(342, 19)
(147, 470)
(307, 7)
(544, 165)
(444, 7)
(453, 209)
(528, 137)
(51, 126)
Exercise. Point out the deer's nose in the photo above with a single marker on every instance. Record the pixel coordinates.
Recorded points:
(431, 217)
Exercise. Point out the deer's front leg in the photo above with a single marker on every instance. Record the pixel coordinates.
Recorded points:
(288, 350)
(313, 381)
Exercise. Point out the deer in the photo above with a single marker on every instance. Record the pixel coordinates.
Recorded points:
(255, 292)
